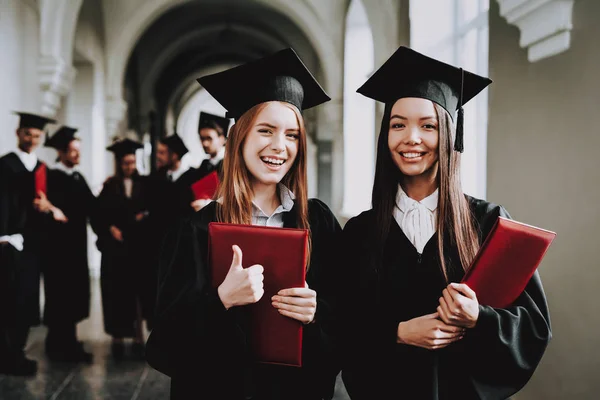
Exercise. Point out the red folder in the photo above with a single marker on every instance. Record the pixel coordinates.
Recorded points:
(206, 187)
(40, 180)
(506, 261)
(274, 338)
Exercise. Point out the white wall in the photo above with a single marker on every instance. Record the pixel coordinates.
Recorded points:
(359, 113)
(19, 36)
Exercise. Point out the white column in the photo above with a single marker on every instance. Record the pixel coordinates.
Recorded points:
(116, 110)
(56, 80)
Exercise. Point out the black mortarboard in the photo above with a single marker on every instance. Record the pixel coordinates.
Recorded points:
(278, 77)
(175, 144)
(28, 120)
(408, 73)
(123, 147)
(207, 120)
(61, 138)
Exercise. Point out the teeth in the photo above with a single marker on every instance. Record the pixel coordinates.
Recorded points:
(411, 155)
(273, 160)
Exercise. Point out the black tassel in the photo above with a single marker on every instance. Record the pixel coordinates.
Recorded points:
(458, 141)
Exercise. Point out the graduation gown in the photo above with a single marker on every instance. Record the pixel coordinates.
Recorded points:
(124, 274)
(206, 167)
(19, 270)
(66, 272)
(203, 347)
(494, 360)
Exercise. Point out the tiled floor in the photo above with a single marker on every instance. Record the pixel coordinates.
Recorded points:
(103, 380)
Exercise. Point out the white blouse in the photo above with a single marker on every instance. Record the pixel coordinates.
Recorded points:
(417, 219)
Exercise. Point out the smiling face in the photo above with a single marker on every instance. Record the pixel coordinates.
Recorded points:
(29, 138)
(271, 146)
(71, 156)
(414, 137)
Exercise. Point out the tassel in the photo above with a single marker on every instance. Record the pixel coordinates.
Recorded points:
(458, 141)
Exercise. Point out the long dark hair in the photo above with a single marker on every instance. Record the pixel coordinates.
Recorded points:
(454, 219)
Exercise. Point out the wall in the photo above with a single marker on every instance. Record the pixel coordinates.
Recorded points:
(543, 165)
(19, 35)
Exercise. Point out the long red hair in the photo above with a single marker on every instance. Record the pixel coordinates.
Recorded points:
(235, 190)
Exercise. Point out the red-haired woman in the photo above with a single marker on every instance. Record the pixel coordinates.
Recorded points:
(198, 339)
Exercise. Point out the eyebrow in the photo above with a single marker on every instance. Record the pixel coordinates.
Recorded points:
(420, 119)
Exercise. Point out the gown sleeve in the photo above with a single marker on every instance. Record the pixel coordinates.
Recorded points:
(191, 323)
(323, 277)
(507, 344)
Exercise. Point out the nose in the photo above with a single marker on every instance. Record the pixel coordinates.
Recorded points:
(413, 137)
(278, 143)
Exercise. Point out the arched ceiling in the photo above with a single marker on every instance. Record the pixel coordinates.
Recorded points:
(191, 38)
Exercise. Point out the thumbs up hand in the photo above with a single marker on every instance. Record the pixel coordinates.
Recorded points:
(241, 285)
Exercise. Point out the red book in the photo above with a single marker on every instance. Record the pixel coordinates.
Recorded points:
(274, 338)
(206, 187)
(40, 180)
(506, 261)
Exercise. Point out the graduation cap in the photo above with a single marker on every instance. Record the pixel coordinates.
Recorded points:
(61, 138)
(175, 144)
(408, 73)
(28, 120)
(278, 77)
(122, 147)
(208, 120)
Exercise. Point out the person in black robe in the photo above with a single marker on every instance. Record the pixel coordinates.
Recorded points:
(212, 130)
(21, 235)
(128, 293)
(66, 272)
(200, 338)
(408, 327)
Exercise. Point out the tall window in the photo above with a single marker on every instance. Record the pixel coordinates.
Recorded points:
(456, 32)
(359, 113)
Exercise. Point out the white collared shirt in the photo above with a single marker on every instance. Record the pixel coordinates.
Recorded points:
(178, 172)
(259, 217)
(417, 219)
(128, 186)
(62, 167)
(29, 160)
(220, 155)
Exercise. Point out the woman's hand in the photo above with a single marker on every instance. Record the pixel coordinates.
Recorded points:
(241, 285)
(428, 332)
(297, 303)
(459, 306)
(116, 233)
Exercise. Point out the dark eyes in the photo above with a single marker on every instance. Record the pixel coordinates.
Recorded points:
(294, 136)
(426, 126)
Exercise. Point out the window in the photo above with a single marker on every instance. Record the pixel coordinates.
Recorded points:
(456, 32)
(359, 113)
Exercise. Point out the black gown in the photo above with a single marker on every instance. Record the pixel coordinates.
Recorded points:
(203, 347)
(493, 361)
(125, 277)
(19, 270)
(65, 267)
(206, 167)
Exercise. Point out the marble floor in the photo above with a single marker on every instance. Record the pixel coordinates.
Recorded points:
(105, 379)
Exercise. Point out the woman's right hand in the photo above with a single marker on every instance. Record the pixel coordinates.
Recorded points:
(241, 285)
(428, 332)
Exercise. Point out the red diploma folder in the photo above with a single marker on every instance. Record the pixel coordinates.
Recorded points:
(206, 187)
(40, 180)
(506, 262)
(274, 338)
